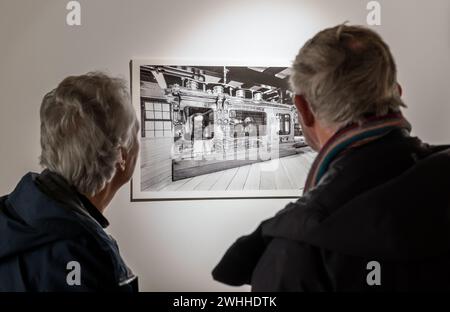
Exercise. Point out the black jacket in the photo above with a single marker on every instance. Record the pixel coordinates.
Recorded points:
(45, 225)
(387, 201)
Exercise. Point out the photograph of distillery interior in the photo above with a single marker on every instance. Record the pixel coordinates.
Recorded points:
(210, 128)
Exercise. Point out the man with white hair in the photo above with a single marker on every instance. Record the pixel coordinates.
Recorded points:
(374, 215)
(52, 224)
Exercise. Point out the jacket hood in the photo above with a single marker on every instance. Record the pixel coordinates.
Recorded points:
(407, 217)
(30, 218)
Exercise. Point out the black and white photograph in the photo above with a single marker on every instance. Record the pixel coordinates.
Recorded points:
(217, 132)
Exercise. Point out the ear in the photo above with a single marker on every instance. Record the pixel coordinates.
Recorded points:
(305, 111)
(400, 89)
(121, 163)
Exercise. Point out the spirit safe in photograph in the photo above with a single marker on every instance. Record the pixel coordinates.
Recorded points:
(217, 131)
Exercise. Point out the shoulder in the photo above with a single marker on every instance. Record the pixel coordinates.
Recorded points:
(77, 264)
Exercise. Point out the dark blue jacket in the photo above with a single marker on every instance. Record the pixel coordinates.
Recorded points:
(46, 227)
(387, 201)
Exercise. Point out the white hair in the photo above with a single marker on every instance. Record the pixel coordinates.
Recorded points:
(346, 73)
(84, 123)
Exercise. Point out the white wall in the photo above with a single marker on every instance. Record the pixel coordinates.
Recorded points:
(174, 245)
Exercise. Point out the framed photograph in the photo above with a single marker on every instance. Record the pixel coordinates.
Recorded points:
(216, 131)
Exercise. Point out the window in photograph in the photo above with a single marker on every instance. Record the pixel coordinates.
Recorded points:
(158, 119)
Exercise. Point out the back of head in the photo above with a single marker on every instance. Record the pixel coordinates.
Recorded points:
(346, 73)
(84, 123)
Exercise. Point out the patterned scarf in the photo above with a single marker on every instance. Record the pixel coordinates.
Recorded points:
(352, 136)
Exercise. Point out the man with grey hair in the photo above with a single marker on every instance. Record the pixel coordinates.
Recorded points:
(52, 224)
(374, 215)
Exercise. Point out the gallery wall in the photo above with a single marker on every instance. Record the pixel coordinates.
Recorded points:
(173, 246)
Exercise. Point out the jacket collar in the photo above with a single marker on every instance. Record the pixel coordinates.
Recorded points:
(56, 187)
(354, 135)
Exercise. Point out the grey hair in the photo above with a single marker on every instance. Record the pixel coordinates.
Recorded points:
(346, 73)
(84, 123)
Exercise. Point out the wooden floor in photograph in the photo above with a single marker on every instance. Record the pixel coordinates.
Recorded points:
(286, 173)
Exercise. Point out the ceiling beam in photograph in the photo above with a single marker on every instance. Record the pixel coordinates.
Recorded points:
(244, 73)
(273, 70)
